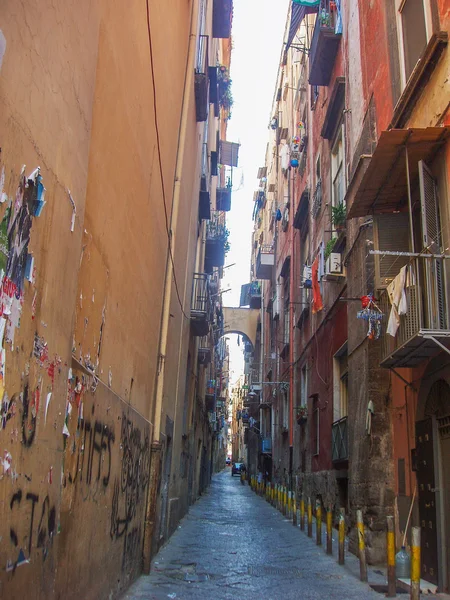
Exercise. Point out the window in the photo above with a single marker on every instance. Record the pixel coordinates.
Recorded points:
(304, 386)
(285, 409)
(287, 315)
(414, 28)
(337, 170)
(315, 426)
(314, 95)
(340, 387)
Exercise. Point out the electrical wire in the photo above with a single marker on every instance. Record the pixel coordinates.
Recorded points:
(158, 145)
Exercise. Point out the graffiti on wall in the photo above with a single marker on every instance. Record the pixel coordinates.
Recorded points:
(39, 527)
(130, 491)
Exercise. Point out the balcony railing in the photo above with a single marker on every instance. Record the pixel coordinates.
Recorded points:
(201, 305)
(202, 79)
(324, 45)
(222, 17)
(205, 345)
(267, 445)
(216, 241)
(339, 440)
(317, 199)
(265, 261)
(223, 199)
(424, 327)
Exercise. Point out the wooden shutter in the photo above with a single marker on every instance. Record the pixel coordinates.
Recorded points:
(431, 236)
(391, 234)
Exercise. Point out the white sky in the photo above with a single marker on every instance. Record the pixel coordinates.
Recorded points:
(258, 28)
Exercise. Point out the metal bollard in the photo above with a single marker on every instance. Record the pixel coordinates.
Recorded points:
(329, 531)
(302, 514)
(309, 518)
(362, 546)
(415, 563)
(342, 536)
(390, 545)
(318, 523)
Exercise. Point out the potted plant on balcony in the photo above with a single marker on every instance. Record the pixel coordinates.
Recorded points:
(302, 415)
(339, 216)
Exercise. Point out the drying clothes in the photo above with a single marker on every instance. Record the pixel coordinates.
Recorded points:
(317, 304)
(284, 156)
(307, 277)
(397, 297)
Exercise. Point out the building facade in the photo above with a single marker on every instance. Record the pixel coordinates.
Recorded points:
(112, 127)
(349, 249)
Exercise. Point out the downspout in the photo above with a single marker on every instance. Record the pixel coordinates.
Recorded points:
(157, 407)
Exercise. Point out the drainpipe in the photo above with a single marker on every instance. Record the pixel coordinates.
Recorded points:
(155, 465)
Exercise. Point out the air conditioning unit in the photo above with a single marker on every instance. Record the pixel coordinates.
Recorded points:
(334, 264)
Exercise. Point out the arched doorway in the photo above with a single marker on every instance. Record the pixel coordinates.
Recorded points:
(433, 478)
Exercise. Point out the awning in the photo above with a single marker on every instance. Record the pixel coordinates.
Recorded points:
(380, 181)
(300, 8)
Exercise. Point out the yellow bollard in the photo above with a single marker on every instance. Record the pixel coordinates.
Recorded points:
(415, 563)
(302, 514)
(390, 545)
(318, 523)
(285, 500)
(289, 504)
(329, 531)
(342, 537)
(309, 518)
(294, 509)
(362, 546)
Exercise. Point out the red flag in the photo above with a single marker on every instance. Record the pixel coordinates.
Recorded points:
(317, 304)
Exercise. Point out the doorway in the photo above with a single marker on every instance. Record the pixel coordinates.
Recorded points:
(433, 479)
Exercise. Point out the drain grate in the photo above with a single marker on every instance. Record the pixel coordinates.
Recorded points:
(267, 570)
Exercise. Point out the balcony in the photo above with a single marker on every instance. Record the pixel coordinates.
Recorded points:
(201, 79)
(266, 445)
(216, 242)
(222, 17)
(204, 350)
(223, 199)
(251, 295)
(324, 45)
(201, 305)
(424, 329)
(265, 262)
(339, 440)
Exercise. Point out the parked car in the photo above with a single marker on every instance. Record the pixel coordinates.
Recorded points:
(236, 468)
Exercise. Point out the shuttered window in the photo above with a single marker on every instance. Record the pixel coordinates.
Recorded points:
(391, 234)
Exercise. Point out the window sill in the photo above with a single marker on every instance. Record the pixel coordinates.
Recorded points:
(418, 79)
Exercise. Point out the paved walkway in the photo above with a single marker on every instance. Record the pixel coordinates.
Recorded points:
(234, 545)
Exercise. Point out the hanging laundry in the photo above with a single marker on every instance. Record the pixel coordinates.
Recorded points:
(372, 314)
(397, 297)
(317, 304)
(307, 277)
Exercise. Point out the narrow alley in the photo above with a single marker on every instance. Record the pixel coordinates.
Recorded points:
(232, 544)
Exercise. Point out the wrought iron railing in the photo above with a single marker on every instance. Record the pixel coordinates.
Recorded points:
(201, 305)
(427, 305)
(339, 440)
(317, 199)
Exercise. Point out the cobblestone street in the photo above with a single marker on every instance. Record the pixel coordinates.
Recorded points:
(234, 545)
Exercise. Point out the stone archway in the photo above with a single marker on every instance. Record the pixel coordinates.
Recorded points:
(243, 321)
